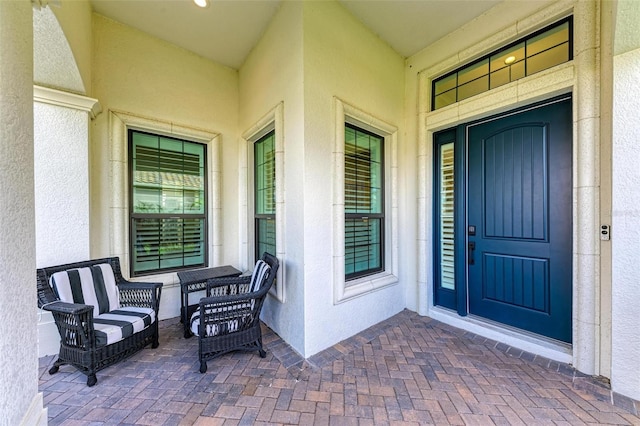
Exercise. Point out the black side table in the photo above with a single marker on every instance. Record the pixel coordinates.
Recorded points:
(196, 280)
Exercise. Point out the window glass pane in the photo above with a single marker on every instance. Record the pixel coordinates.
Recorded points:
(473, 72)
(193, 201)
(548, 39)
(265, 175)
(350, 173)
(508, 74)
(265, 236)
(362, 145)
(146, 244)
(171, 196)
(473, 88)
(447, 98)
(146, 198)
(500, 77)
(146, 140)
(376, 201)
(446, 83)
(518, 70)
(363, 246)
(195, 152)
(349, 135)
(194, 241)
(447, 260)
(146, 188)
(260, 189)
(548, 59)
(499, 60)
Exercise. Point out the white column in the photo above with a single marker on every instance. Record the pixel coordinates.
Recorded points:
(18, 335)
(586, 289)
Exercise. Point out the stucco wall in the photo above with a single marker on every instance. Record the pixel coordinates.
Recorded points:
(75, 20)
(271, 74)
(625, 228)
(19, 399)
(136, 74)
(312, 53)
(54, 63)
(342, 59)
(62, 184)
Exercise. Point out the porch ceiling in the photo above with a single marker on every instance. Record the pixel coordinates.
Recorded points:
(226, 31)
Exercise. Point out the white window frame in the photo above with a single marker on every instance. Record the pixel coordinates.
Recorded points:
(119, 124)
(345, 290)
(273, 120)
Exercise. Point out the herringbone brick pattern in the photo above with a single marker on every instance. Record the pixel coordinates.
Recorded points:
(408, 370)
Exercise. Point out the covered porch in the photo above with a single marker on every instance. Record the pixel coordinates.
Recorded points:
(406, 370)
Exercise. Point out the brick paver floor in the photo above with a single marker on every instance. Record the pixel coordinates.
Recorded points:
(407, 370)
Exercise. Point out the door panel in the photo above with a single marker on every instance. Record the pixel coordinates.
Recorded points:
(519, 218)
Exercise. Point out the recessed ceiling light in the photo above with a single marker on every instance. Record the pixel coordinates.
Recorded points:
(201, 3)
(510, 60)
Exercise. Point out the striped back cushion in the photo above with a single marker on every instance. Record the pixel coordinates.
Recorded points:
(260, 273)
(95, 286)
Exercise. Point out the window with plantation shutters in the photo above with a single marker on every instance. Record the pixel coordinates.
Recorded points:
(364, 202)
(265, 195)
(168, 203)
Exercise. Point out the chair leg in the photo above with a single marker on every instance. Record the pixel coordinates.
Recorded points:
(262, 353)
(56, 366)
(203, 367)
(155, 342)
(92, 380)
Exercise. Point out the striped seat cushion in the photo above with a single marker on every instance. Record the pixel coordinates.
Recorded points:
(239, 314)
(95, 286)
(118, 324)
(225, 326)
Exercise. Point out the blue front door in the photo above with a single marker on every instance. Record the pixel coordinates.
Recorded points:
(519, 222)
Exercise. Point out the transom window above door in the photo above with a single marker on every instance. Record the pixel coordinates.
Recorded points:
(543, 49)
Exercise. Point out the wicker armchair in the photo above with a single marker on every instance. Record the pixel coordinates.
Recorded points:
(87, 344)
(228, 319)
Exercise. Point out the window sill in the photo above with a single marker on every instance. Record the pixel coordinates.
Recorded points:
(169, 279)
(365, 285)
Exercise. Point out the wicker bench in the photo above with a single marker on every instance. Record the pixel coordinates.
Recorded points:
(101, 317)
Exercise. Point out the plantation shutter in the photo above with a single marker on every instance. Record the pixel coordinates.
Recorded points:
(447, 275)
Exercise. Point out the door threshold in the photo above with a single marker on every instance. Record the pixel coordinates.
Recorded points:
(529, 342)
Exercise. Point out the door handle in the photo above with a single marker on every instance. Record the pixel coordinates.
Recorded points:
(471, 247)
